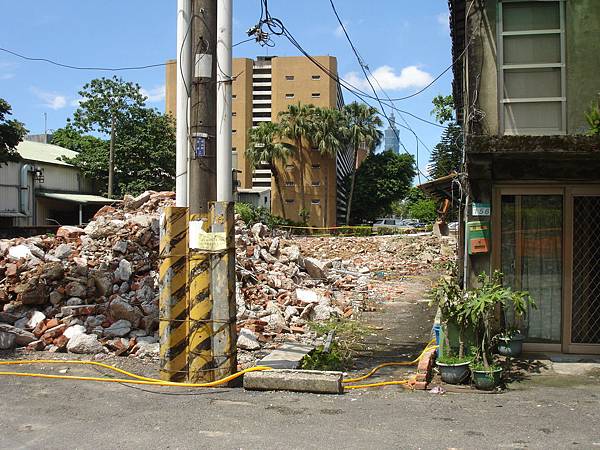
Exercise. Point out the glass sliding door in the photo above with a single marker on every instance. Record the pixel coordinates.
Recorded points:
(531, 258)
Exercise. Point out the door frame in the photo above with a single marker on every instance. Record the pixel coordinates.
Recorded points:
(528, 189)
(569, 347)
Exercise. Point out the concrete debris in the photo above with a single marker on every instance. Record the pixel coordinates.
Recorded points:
(85, 344)
(95, 289)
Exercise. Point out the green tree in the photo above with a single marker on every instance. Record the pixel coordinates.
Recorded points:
(11, 133)
(144, 153)
(381, 180)
(264, 148)
(106, 103)
(297, 125)
(416, 205)
(363, 123)
(443, 108)
(331, 131)
(446, 157)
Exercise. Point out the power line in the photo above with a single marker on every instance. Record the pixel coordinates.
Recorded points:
(102, 69)
(364, 69)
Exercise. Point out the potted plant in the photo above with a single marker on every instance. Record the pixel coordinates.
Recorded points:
(479, 309)
(449, 297)
(510, 341)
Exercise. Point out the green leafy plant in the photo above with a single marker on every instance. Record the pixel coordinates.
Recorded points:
(452, 360)
(480, 307)
(592, 116)
(449, 297)
(334, 359)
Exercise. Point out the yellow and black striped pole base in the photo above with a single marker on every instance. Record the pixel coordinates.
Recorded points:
(200, 356)
(173, 304)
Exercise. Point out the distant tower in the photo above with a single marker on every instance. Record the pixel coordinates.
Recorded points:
(391, 140)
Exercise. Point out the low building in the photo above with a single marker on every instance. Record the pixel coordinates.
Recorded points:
(525, 74)
(42, 190)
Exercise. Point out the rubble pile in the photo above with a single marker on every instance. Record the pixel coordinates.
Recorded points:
(95, 290)
(278, 290)
(90, 290)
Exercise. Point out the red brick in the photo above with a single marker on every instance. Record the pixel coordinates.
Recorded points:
(419, 385)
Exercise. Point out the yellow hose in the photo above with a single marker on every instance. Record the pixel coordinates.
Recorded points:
(387, 383)
(138, 379)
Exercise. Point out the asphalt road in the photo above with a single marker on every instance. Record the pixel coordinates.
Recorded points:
(546, 412)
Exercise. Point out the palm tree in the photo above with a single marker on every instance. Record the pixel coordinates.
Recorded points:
(363, 124)
(297, 125)
(263, 149)
(331, 131)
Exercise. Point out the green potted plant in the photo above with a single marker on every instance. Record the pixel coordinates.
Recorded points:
(449, 297)
(510, 341)
(479, 309)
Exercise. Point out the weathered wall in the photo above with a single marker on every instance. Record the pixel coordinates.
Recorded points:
(582, 30)
(583, 60)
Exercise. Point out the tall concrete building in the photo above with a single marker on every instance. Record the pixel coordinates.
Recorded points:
(391, 141)
(263, 88)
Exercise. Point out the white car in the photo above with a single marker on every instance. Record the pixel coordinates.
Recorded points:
(390, 222)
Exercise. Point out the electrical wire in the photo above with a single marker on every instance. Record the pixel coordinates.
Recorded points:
(366, 73)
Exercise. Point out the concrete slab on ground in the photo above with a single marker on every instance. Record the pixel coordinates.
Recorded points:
(315, 381)
(288, 356)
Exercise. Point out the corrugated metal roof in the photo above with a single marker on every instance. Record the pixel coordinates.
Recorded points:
(77, 198)
(47, 153)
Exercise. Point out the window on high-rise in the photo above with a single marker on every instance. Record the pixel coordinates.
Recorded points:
(531, 49)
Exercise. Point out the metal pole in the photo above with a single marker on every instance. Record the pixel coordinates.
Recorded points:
(202, 185)
(184, 86)
(224, 81)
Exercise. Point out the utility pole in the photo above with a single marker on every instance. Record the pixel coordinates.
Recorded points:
(203, 109)
(184, 86)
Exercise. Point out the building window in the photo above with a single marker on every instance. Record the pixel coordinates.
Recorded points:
(315, 201)
(532, 67)
(290, 184)
(289, 200)
(316, 77)
(316, 183)
(233, 96)
(289, 95)
(289, 77)
(316, 95)
(233, 131)
(316, 166)
(233, 114)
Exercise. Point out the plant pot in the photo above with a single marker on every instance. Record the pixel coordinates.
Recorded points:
(512, 346)
(454, 373)
(486, 380)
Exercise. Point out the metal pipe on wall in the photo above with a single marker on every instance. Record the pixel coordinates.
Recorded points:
(224, 86)
(184, 84)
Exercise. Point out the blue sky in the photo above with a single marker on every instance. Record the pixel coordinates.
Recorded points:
(405, 43)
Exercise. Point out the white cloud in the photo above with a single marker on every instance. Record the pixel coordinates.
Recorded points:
(339, 31)
(444, 20)
(155, 95)
(389, 80)
(50, 100)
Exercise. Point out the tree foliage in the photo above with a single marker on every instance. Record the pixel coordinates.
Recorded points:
(11, 133)
(362, 123)
(144, 149)
(416, 205)
(380, 180)
(446, 157)
(104, 100)
(265, 147)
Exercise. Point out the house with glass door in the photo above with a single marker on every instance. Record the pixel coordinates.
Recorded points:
(525, 73)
